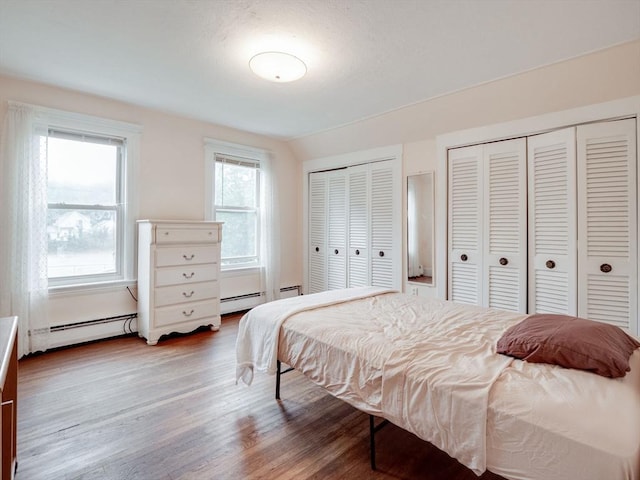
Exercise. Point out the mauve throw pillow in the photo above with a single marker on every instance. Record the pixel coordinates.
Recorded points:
(570, 342)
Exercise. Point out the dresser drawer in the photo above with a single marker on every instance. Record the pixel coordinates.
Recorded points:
(187, 312)
(193, 292)
(168, 235)
(186, 274)
(187, 255)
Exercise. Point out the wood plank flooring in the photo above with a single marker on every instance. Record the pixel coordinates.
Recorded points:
(120, 409)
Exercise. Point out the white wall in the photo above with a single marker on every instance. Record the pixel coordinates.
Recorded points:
(599, 77)
(170, 185)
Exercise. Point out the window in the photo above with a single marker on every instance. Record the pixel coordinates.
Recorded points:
(236, 203)
(90, 198)
(237, 193)
(85, 207)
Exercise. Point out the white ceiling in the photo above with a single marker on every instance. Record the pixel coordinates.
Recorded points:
(364, 57)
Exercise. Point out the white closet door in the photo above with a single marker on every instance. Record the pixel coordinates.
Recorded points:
(358, 248)
(465, 225)
(607, 229)
(317, 255)
(383, 208)
(336, 229)
(505, 225)
(552, 223)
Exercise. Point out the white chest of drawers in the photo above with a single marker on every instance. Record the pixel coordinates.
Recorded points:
(178, 277)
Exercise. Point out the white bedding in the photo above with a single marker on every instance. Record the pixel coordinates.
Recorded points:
(391, 355)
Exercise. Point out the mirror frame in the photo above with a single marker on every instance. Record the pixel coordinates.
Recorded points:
(429, 198)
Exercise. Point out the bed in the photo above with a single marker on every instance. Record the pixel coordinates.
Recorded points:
(431, 367)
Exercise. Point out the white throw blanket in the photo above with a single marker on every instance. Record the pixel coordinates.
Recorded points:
(258, 332)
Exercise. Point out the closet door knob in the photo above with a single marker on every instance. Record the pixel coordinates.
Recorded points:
(335, 251)
(317, 249)
(464, 257)
(550, 264)
(381, 253)
(605, 268)
(503, 261)
(357, 252)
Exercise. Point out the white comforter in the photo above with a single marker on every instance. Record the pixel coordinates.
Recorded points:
(257, 343)
(438, 387)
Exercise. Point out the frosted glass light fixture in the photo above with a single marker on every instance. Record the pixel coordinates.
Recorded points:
(277, 66)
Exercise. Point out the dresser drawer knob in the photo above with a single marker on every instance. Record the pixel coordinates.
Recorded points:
(187, 314)
(187, 276)
(187, 295)
(190, 257)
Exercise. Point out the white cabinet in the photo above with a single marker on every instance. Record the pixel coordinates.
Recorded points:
(353, 227)
(571, 195)
(178, 275)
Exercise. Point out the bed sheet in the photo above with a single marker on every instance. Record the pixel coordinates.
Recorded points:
(542, 421)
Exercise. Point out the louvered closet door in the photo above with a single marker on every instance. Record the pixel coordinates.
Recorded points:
(336, 229)
(358, 247)
(505, 225)
(552, 223)
(465, 225)
(317, 255)
(383, 206)
(607, 199)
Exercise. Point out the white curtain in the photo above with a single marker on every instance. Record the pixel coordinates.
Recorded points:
(269, 231)
(23, 234)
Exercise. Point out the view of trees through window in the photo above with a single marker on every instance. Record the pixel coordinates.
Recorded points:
(83, 198)
(236, 204)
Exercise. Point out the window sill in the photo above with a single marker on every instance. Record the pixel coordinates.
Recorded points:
(240, 272)
(86, 288)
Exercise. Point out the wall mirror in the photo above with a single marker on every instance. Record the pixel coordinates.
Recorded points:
(420, 238)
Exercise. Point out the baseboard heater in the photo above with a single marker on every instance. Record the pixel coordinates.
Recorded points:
(127, 319)
(244, 302)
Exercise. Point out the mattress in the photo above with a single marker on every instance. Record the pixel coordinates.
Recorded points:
(393, 355)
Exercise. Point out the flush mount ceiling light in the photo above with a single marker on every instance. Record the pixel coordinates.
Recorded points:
(277, 66)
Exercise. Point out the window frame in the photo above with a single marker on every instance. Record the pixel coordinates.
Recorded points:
(130, 134)
(240, 154)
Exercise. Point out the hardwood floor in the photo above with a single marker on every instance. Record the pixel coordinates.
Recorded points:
(120, 409)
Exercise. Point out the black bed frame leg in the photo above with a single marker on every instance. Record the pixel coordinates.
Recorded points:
(372, 442)
(278, 373)
(373, 428)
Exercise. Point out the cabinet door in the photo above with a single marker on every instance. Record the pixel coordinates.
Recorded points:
(336, 229)
(607, 229)
(505, 225)
(384, 217)
(465, 225)
(317, 254)
(358, 273)
(552, 223)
